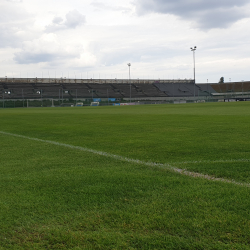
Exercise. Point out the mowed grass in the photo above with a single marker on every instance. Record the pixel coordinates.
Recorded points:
(54, 197)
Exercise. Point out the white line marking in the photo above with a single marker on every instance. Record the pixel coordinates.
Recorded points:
(125, 159)
(211, 162)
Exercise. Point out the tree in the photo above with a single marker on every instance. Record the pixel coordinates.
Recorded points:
(221, 80)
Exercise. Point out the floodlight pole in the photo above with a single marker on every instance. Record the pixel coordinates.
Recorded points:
(129, 65)
(194, 49)
(22, 98)
(42, 97)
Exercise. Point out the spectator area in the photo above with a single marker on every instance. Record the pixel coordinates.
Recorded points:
(35, 88)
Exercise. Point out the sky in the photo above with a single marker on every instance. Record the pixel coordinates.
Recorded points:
(97, 39)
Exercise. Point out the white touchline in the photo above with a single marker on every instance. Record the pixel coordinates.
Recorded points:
(122, 158)
(214, 161)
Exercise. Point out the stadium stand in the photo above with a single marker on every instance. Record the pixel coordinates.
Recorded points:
(243, 86)
(179, 89)
(36, 88)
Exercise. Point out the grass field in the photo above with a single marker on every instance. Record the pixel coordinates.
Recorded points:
(69, 179)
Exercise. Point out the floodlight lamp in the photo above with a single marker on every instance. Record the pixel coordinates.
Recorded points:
(129, 64)
(195, 47)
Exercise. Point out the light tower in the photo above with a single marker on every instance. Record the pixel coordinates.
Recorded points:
(194, 49)
(129, 65)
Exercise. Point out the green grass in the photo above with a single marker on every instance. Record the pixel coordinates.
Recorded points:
(53, 197)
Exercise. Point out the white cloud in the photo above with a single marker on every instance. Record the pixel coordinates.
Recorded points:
(153, 35)
(14, 1)
(99, 6)
(15, 24)
(46, 49)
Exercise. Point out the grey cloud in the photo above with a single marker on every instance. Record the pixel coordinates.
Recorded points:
(28, 58)
(57, 20)
(206, 14)
(72, 20)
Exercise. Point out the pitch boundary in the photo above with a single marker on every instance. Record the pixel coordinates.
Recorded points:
(207, 161)
(134, 161)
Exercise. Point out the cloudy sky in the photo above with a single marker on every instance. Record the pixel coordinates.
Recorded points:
(97, 38)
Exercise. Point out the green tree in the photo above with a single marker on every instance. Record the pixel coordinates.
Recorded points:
(221, 80)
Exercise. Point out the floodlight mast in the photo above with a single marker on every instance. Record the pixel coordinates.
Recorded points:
(129, 65)
(194, 49)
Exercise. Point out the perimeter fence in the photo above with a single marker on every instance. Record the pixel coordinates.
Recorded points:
(30, 103)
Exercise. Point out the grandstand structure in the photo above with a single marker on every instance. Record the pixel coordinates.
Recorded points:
(63, 88)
